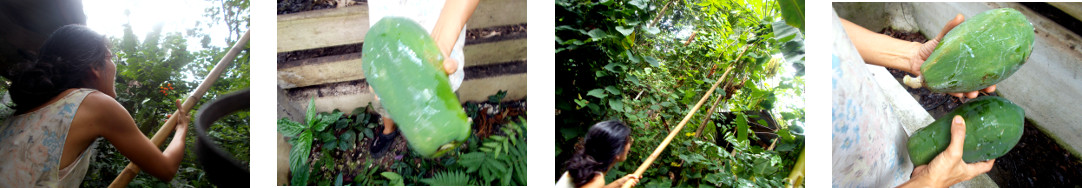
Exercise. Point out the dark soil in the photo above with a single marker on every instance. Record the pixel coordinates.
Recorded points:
(1036, 161)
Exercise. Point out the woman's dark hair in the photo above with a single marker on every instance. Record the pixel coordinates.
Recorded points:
(603, 143)
(63, 62)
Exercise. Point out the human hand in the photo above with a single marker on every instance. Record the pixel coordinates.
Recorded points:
(631, 178)
(449, 64)
(182, 117)
(452, 19)
(948, 168)
(924, 50)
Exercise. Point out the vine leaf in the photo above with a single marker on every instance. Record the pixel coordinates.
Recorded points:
(616, 104)
(625, 30)
(599, 93)
(597, 34)
(394, 178)
(639, 3)
(652, 30)
(650, 59)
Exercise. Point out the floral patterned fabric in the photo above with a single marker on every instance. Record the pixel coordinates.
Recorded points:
(31, 145)
(868, 141)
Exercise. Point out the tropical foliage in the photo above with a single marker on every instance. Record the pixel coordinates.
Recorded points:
(331, 148)
(159, 68)
(649, 62)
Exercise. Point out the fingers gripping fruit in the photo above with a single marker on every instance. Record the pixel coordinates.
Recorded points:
(993, 127)
(978, 53)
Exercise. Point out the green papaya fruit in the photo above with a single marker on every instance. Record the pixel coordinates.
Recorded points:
(404, 67)
(993, 127)
(980, 52)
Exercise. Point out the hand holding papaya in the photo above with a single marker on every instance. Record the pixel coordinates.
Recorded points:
(452, 18)
(921, 53)
(948, 168)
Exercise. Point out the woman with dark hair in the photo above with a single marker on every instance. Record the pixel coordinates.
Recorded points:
(64, 101)
(606, 143)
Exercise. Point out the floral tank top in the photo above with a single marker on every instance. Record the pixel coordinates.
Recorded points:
(31, 145)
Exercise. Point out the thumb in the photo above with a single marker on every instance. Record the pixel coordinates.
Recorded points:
(958, 135)
(981, 167)
(180, 105)
(958, 19)
(450, 66)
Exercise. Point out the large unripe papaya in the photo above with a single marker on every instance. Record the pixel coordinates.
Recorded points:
(404, 67)
(980, 52)
(993, 126)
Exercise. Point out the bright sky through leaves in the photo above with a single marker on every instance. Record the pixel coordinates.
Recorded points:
(108, 17)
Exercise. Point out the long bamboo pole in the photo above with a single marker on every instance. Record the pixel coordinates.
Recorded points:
(710, 112)
(131, 170)
(653, 156)
(796, 177)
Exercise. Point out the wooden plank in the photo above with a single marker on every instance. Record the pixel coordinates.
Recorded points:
(322, 28)
(344, 96)
(497, 12)
(477, 90)
(322, 70)
(348, 96)
(341, 68)
(495, 52)
(1071, 8)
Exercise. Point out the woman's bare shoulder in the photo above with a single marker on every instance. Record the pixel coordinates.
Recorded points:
(99, 105)
(597, 181)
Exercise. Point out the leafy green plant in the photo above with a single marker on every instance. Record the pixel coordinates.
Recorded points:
(488, 163)
(503, 150)
(497, 97)
(363, 122)
(367, 176)
(647, 62)
(393, 178)
(301, 136)
(449, 178)
(347, 139)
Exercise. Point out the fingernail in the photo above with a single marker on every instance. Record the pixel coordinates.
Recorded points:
(958, 119)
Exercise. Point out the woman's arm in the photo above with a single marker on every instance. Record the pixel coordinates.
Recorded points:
(599, 181)
(453, 17)
(620, 182)
(883, 50)
(114, 123)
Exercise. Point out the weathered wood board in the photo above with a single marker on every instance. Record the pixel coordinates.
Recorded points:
(348, 96)
(477, 90)
(491, 13)
(322, 70)
(341, 68)
(495, 52)
(322, 28)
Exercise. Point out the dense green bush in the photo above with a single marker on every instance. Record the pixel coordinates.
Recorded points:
(648, 62)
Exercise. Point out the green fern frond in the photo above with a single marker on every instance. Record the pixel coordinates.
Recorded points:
(449, 178)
